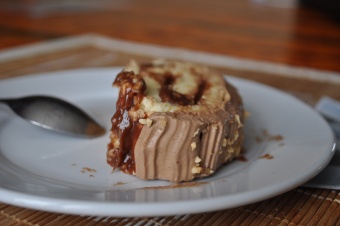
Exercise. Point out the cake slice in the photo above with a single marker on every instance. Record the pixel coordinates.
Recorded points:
(174, 121)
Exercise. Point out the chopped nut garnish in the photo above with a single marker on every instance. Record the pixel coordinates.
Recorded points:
(235, 138)
(276, 138)
(225, 96)
(238, 121)
(224, 143)
(267, 156)
(162, 122)
(148, 122)
(112, 136)
(231, 150)
(136, 114)
(227, 156)
(116, 143)
(196, 170)
(197, 159)
(214, 126)
(196, 132)
(110, 152)
(142, 121)
(87, 169)
(193, 145)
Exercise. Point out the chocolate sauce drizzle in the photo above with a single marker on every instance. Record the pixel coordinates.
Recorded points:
(167, 94)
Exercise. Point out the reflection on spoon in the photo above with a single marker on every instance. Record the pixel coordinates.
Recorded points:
(55, 114)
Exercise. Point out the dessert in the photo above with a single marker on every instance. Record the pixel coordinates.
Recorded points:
(174, 121)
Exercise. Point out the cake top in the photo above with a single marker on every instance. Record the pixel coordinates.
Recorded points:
(172, 86)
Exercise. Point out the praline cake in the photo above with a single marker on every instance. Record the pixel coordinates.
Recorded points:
(174, 121)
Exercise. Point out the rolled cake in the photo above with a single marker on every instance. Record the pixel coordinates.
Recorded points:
(174, 121)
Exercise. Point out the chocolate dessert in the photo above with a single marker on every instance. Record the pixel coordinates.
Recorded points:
(174, 121)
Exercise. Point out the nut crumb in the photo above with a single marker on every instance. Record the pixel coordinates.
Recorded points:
(197, 159)
(196, 170)
(267, 156)
(198, 130)
(224, 143)
(119, 183)
(142, 121)
(238, 121)
(162, 123)
(147, 122)
(231, 150)
(87, 169)
(276, 138)
(193, 145)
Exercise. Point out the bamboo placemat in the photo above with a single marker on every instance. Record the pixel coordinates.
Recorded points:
(300, 206)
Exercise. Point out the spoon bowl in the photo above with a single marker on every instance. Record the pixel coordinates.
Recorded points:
(55, 114)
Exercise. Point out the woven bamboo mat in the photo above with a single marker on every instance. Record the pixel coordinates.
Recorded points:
(300, 206)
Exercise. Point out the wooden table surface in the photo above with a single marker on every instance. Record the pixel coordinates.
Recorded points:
(257, 29)
(271, 31)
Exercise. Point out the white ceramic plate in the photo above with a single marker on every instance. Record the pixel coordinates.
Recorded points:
(47, 171)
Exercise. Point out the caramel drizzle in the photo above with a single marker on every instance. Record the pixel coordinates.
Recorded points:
(131, 93)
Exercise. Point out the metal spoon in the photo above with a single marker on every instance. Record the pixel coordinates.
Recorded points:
(55, 114)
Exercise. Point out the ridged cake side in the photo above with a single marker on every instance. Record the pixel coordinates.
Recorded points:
(182, 146)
